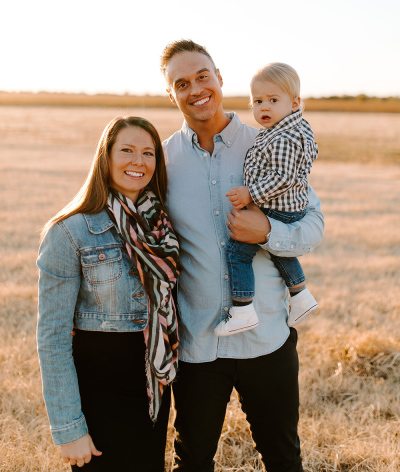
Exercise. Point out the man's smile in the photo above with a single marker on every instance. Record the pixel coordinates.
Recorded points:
(202, 101)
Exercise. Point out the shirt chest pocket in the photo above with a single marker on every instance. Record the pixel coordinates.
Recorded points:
(102, 265)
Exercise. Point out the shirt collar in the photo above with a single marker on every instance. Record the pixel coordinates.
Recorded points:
(291, 121)
(227, 135)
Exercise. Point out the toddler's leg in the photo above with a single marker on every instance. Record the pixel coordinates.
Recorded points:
(302, 303)
(242, 315)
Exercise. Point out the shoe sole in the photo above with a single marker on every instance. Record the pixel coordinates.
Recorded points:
(239, 330)
(302, 316)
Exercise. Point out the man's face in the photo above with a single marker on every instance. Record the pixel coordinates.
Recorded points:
(194, 86)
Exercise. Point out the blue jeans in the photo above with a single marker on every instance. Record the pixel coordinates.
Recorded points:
(240, 257)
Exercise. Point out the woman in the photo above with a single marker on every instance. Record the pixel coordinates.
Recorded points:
(108, 262)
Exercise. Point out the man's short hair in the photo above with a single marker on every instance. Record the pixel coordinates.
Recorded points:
(183, 45)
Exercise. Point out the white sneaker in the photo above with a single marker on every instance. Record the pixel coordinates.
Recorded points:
(300, 307)
(240, 318)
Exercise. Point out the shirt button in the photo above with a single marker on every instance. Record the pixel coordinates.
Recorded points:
(226, 276)
(213, 182)
(291, 247)
(217, 213)
(223, 243)
(226, 308)
(277, 245)
(205, 154)
(228, 142)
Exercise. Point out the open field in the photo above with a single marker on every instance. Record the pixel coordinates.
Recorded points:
(349, 104)
(349, 350)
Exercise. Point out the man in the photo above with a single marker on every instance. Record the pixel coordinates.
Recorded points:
(204, 161)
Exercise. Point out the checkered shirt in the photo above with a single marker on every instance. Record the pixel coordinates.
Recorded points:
(276, 167)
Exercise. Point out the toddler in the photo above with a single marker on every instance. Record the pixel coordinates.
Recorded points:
(276, 172)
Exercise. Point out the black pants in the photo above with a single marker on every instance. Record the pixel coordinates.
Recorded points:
(269, 394)
(112, 384)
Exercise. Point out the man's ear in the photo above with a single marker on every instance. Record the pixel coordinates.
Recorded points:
(171, 97)
(296, 104)
(221, 82)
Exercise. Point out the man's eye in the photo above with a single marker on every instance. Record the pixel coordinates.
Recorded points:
(203, 76)
(181, 85)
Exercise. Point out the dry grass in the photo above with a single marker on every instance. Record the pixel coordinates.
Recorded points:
(356, 104)
(349, 350)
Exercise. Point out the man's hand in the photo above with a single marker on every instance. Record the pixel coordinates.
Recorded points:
(250, 226)
(80, 451)
(239, 197)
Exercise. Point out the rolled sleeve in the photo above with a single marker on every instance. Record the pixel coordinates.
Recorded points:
(300, 238)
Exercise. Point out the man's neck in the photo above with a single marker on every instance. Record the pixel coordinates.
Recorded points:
(206, 130)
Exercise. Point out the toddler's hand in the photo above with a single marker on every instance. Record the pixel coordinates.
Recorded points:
(239, 197)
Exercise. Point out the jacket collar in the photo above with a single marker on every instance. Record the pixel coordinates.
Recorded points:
(99, 222)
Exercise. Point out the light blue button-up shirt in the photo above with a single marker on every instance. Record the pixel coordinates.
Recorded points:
(198, 208)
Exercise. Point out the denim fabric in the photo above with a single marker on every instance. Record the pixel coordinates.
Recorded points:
(86, 279)
(240, 258)
(198, 208)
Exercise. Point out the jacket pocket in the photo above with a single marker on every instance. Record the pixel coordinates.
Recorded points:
(102, 265)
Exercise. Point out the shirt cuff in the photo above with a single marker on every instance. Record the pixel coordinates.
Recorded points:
(280, 242)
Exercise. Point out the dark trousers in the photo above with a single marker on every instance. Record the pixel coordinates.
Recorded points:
(269, 393)
(112, 384)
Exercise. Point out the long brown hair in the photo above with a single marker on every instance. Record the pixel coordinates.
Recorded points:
(93, 195)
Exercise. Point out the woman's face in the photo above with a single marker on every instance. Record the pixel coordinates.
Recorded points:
(132, 161)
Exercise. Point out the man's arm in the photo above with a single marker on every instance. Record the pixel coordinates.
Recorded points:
(286, 240)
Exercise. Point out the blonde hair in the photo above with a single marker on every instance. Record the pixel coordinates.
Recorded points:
(93, 195)
(282, 75)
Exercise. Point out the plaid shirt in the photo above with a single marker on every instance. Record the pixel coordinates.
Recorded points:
(276, 167)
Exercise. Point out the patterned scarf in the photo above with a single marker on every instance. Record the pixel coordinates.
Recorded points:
(153, 246)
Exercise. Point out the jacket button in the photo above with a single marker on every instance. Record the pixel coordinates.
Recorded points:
(102, 256)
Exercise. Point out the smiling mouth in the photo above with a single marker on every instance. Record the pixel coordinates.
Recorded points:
(201, 102)
(134, 174)
(265, 117)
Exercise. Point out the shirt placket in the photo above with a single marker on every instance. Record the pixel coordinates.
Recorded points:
(220, 231)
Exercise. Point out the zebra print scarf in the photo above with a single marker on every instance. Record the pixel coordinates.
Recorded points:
(153, 246)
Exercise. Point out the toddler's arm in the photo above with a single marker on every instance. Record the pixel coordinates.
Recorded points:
(239, 197)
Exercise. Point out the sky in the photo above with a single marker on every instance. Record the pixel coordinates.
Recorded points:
(96, 46)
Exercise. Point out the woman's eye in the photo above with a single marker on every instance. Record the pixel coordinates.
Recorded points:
(149, 154)
(126, 150)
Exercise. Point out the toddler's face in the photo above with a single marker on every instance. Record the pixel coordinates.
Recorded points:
(270, 103)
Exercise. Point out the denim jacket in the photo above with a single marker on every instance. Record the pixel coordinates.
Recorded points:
(86, 279)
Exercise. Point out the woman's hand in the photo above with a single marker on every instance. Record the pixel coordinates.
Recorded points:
(250, 226)
(80, 451)
(239, 197)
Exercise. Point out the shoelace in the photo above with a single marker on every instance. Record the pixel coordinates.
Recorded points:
(228, 317)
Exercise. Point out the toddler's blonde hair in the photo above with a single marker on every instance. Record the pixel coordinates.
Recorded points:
(282, 75)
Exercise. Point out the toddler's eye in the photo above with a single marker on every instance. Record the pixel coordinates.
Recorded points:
(273, 100)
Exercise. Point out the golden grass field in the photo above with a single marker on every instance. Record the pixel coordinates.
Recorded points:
(349, 350)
